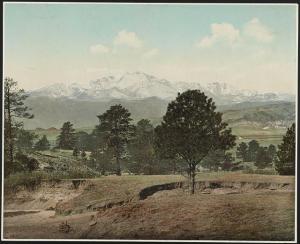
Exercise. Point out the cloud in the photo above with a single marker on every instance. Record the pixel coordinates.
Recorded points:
(224, 32)
(151, 53)
(129, 39)
(99, 48)
(227, 33)
(254, 28)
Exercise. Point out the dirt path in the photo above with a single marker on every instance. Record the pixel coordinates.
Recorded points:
(44, 225)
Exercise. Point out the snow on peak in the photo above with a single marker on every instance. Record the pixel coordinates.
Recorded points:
(139, 85)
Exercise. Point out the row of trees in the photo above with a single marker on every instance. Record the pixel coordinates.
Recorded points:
(191, 130)
(253, 152)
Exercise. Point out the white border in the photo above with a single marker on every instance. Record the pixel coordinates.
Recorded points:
(129, 240)
(296, 125)
(136, 3)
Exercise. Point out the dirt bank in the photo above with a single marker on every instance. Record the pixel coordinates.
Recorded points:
(172, 214)
(139, 208)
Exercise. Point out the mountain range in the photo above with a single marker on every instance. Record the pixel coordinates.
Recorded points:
(138, 85)
(146, 96)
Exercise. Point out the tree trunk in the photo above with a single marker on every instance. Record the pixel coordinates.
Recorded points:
(118, 166)
(193, 174)
(189, 176)
(9, 134)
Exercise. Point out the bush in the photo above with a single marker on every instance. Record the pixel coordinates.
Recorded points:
(28, 163)
(29, 180)
(32, 180)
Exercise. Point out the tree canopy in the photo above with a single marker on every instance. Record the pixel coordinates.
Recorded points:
(191, 128)
(285, 162)
(66, 138)
(14, 108)
(115, 130)
(42, 144)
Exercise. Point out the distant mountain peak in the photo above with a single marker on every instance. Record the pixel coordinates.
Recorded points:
(139, 85)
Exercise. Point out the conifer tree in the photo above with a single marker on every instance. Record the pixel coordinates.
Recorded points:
(116, 131)
(67, 138)
(191, 128)
(42, 144)
(285, 162)
(14, 108)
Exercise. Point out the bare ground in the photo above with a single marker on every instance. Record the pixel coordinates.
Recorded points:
(210, 214)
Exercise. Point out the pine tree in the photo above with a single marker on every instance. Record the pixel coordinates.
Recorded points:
(285, 162)
(242, 151)
(115, 129)
(67, 138)
(14, 108)
(262, 158)
(42, 144)
(191, 128)
(142, 148)
(253, 147)
(271, 152)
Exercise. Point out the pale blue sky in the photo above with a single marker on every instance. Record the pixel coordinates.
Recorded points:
(244, 45)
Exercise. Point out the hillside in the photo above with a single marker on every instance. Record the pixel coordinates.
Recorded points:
(270, 115)
(52, 112)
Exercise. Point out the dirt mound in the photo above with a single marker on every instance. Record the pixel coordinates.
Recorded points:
(46, 197)
(178, 215)
(217, 187)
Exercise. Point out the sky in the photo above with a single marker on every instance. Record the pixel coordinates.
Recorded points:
(248, 46)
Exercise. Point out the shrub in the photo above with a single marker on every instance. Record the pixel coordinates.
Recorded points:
(28, 163)
(29, 180)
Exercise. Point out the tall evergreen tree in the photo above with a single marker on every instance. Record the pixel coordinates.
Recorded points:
(142, 148)
(271, 152)
(42, 144)
(242, 151)
(253, 147)
(191, 128)
(116, 130)
(14, 108)
(66, 138)
(262, 158)
(285, 162)
(84, 140)
(25, 140)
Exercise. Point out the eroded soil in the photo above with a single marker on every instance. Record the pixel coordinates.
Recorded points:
(251, 212)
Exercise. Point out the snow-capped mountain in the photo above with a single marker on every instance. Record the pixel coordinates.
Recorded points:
(139, 85)
(73, 90)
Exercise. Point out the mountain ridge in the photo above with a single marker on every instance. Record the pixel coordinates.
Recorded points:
(49, 112)
(139, 85)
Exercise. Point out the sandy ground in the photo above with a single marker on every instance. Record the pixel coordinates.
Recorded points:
(174, 214)
(45, 197)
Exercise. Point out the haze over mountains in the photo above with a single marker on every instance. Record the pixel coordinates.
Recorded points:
(146, 96)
